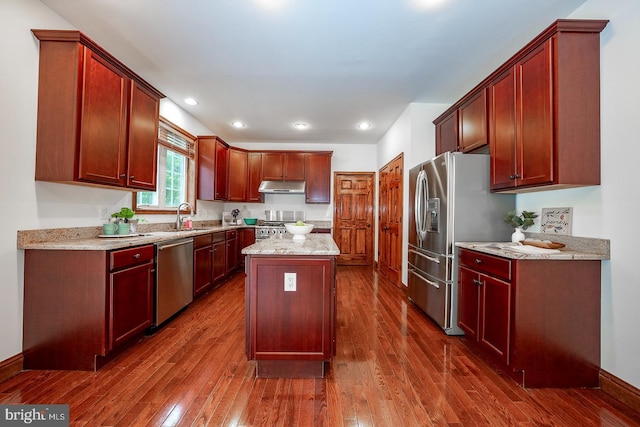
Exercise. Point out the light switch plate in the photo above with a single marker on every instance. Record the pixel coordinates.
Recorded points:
(289, 282)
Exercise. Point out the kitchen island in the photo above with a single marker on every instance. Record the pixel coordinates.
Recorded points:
(290, 305)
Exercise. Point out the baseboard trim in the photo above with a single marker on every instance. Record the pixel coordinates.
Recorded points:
(11, 367)
(620, 390)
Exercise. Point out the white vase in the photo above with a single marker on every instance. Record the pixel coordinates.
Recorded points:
(517, 235)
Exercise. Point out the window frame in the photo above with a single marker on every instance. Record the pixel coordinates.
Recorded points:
(167, 127)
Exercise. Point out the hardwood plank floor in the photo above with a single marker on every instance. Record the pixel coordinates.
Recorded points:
(393, 367)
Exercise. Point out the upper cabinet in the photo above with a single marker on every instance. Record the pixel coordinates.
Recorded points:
(283, 166)
(213, 167)
(255, 177)
(238, 175)
(97, 119)
(318, 177)
(539, 112)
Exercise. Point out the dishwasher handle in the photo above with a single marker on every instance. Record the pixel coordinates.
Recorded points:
(174, 243)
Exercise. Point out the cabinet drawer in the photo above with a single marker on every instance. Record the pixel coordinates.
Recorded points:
(231, 234)
(485, 263)
(131, 256)
(202, 241)
(218, 237)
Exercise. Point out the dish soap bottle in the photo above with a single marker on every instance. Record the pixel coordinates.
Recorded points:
(188, 223)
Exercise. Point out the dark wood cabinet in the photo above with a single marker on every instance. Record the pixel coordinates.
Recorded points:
(447, 132)
(247, 237)
(81, 307)
(219, 257)
(202, 264)
(213, 168)
(278, 166)
(318, 177)
(290, 333)
(254, 177)
(537, 319)
(472, 123)
(238, 175)
(97, 119)
(231, 253)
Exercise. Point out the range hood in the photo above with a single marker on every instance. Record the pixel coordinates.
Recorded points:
(282, 187)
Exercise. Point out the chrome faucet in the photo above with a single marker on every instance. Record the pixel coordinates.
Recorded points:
(178, 218)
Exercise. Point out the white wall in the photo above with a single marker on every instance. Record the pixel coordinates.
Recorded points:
(606, 211)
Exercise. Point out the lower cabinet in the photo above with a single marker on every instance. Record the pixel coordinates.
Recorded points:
(536, 319)
(231, 252)
(219, 257)
(247, 238)
(202, 264)
(81, 307)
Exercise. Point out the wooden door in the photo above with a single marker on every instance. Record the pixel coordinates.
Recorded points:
(353, 217)
(390, 220)
(472, 117)
(502, 120)
(238, 175)
(221, 170)
(143, 139)
(447, 134)
(318, 181)
(255, 177)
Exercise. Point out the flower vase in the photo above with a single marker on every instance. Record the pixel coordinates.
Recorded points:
(517, 235)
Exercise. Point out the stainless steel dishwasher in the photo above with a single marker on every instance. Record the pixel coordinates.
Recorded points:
(174, 278)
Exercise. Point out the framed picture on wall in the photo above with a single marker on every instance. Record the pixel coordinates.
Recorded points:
(556, 221)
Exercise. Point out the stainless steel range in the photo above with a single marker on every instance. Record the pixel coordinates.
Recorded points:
(273, 225)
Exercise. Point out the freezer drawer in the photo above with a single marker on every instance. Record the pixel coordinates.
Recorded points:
(437, 266)
(431, 296)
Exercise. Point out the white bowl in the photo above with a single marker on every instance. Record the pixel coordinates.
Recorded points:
(299, 231)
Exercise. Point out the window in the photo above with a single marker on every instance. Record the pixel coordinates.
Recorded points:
(176, 172)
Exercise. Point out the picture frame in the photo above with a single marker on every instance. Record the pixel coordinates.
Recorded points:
(556, 221)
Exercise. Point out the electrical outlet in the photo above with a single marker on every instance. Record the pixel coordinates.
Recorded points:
(289, 282)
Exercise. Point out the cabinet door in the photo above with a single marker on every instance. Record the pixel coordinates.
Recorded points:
(143, 139)
(294, 166)
(102, 147)
(535, 104)
(130, 304)
(472, 119)
(255, 177)
(231, 255)
(206, 167)
(318, 181)
(247, 238)
(495, 317)
(447, 134)
(219, 263)
(202, 269)
(468, 302)
(272, 166)
(221, 170)
(502, 130)
(238, 175)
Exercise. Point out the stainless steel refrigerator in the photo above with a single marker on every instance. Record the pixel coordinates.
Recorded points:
(450, 202)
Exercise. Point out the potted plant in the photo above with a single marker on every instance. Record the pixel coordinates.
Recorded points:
(519, 222)
(126, 216)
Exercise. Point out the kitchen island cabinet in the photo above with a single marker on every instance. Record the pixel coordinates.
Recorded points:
(537, 319)
(290, 305)
(81, 307)
(97, 119)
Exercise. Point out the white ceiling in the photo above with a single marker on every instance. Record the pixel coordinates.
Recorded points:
(330, 63)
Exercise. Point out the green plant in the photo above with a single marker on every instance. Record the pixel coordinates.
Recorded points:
(524, 220)
(125, 214)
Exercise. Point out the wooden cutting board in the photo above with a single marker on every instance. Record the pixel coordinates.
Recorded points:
(543, 244)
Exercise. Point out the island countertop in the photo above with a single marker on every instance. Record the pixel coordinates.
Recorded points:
(283, 244)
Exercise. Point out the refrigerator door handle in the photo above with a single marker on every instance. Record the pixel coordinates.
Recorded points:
(436, 260)
(419, 203)
(429, 282)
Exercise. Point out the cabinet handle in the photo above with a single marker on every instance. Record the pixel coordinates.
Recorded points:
(131, 177)
(477, 282)
(123, 175)
(136, 256)
(478, 261)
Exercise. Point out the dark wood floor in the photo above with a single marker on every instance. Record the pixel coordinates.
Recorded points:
(393, 368)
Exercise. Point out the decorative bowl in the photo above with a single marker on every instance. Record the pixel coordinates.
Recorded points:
(299, 231)
(250, 221)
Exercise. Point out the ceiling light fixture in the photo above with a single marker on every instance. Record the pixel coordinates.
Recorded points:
(190, 101)
(237, 124)
(364, 125)
(300, 125)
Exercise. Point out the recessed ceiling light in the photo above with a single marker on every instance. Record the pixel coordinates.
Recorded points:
(300, 125)
(237, 124)
(364, 125)
(190, 101)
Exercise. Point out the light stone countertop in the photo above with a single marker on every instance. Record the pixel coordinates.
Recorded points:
(283, 244)
(577, 248)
